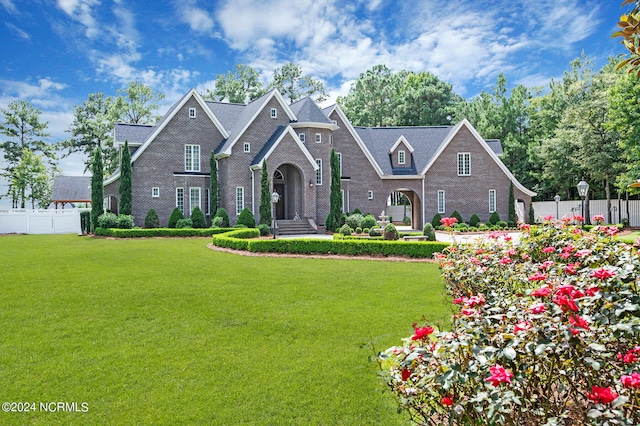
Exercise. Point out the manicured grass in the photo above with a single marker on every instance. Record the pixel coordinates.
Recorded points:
(166, 331)
(630, 238)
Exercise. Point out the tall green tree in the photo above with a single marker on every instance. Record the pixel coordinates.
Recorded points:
(23, 129)
(97, 188)
(334, 219)
(214, 187)
(630, 33)
(294, 85)
(31, 180)
(265, 196)
(240, 86)
(125, 189)
(425, 100)
(92, 128)
(373, 98)
(512, 204)
(137, 104)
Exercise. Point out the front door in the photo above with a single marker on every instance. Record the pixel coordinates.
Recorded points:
(279, 188)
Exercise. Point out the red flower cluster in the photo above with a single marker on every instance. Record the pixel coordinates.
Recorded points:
(566, 303)
(537, 308)
(579, 322)
(499, 375)
(602, 395)
(631, 381)
(405, 374)
(447, 401)
(598, 218)
(537, 277)
(548, 250)
(630, 357)
(422, 332)
(603, 273)
(541, 292)
(448, 221)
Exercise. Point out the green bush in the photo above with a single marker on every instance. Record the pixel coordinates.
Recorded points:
(159, 232)
(240, 226)
(222, 213)
(345, 230)
(494, 218)
(390, 232)
(108, 220)
(502, 224)
(429, 232)
(358, 230)
(357, 211)
(246, 218)
(125, 221)
(152, 220)
(264, 229)
(474, 220)
(85, 222)
(354, 221)
(406, 220)
(375, 232)
(365, 230)
(217, 222)
(368, 221)
(457, 216)
(184, 223)
(435, 222)
(197, 218)
(176, 215)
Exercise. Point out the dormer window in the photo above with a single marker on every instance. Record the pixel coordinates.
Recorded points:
(192, 113)
(247, 147)
(274, 113)
(401, 157)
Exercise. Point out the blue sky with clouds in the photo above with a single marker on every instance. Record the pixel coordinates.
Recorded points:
(55, 52)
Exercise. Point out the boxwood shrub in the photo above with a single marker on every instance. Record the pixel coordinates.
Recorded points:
(158, 232)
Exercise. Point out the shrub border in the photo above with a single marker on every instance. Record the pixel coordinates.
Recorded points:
(159, 232)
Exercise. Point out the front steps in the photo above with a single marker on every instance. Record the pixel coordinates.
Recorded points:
(295, 227)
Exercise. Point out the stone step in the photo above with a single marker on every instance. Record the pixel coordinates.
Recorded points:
(295, 227)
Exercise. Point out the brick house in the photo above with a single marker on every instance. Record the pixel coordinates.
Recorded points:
(440, 169)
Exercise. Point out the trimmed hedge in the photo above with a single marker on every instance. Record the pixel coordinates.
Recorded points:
(238, 240)
(158, 232)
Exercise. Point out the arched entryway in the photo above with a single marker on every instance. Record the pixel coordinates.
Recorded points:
(287, 182)
(403, 207)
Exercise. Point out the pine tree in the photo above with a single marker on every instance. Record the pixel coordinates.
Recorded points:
(214, 189)
(265, 196)
(512, 205)
(125, 180)
(335, 198)
(97, 189)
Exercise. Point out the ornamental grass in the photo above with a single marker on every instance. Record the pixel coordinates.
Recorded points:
(545, 331)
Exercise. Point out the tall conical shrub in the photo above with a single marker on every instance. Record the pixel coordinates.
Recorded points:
(125, 180)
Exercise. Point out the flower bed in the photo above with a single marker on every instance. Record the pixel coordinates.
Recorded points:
(547, 332)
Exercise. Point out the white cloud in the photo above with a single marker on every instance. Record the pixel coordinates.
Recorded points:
(81, 11)
(9, 6)
(18, 31)
(198, 19)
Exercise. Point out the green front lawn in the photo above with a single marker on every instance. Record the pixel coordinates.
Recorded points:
(166, 331)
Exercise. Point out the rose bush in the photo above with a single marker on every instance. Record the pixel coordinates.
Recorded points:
(547, 332)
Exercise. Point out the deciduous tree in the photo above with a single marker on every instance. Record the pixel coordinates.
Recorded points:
(241, 86)
(31, 180)
(137, 104)
(293, 85)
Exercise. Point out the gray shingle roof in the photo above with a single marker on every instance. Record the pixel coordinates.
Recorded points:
(495, 145)
(71, 188)
(133, 133)
(267, 146)
(425, 141)
(227, 113)
(307, 111)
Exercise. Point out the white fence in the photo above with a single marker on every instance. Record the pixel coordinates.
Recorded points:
(40, 221)
(620, 209)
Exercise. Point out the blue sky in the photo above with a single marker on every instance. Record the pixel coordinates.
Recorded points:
(55, 52)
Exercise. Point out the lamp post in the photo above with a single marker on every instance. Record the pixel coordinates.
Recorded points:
(557, 200)
(583, 187)
(275, 197)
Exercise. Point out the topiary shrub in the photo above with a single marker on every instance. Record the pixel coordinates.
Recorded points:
(390, 232)
(125, 221)
(152, 220)
(264, 229)
(184, 223)
(365, 230)
(354, 220)
(217, 222)
(368, 221)
(474, 220)
(240, 226)
(502, 224)
(457, 216)
(108, 220)
(494, 218)
(198, 219)
(246, 218)
(435, 222)
(358, 230)
(429, 232)
(345, 230)
(222, 213)
(176, 215)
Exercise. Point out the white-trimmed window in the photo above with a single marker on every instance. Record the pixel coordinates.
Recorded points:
(207, 199)
(464, 164)
(155, 192)
(192, 113)
(319, 171)
(492, 200)
(335, 122)
(239, 199)
(274, 113)
(247, 147)
(339, 154)
(194, 198)
(441, 206)
(302, 137)
(192, 158)
(318, 137)
(370, 194)
(401, 157)
(180, 199)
